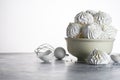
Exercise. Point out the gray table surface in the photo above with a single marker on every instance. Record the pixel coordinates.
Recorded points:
(26, 66)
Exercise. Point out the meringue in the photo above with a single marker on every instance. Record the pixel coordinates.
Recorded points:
(102, 18)
(84, 18)
(73, 30)
(92, 12)
(109, 32)
(98, 57)
(92, 31)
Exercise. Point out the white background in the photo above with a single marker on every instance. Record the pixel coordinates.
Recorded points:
(25, 24)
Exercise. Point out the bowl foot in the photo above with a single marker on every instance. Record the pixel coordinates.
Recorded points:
(81, 60)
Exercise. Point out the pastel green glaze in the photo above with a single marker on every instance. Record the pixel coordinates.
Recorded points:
(82, 47)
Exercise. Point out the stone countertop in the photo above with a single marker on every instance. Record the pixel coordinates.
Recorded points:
(26, 66)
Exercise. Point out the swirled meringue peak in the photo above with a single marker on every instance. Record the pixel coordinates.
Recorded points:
(98, 57)
(73, 30)
(109, 32)
(92, 31)
(92, 12)
(102, 18)
(84, 18)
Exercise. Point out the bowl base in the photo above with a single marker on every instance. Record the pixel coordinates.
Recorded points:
(81, 60)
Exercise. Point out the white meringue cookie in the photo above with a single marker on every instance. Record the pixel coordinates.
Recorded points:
(92, 31)
(92, 12)
(102, 18)
(98, 57)
(84, 18)
(73, 30)
(109, 32)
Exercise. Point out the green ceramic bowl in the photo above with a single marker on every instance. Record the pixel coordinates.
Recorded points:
(82, 47)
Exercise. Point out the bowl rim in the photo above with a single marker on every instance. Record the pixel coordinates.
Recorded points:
(85, 39)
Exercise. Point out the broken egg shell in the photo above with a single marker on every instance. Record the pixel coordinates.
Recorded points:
(116, 58)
